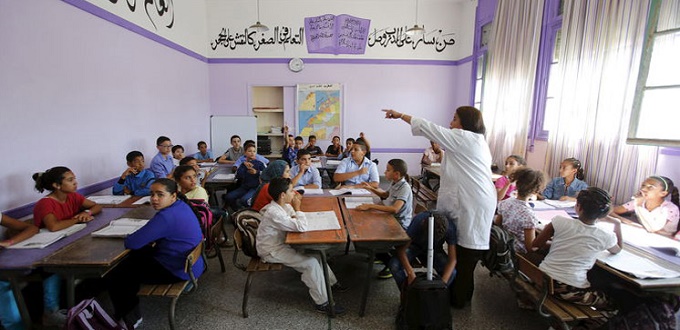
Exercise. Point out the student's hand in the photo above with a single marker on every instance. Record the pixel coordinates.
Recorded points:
(4, 244)
(296, 202)
(83, 217)
(567, 198)
(411, 277)
(611, 219)
(127, 172)
(252, 170)
(303, 168)
(249, 165)
(364, 207)
(127, 191)
(363, 170)
(390, 114)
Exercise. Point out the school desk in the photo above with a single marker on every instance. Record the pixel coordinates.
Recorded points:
(216, 181)
(323, 240)
(91, 256)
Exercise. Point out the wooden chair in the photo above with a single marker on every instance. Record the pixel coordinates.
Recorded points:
(424, 198)
(540, 290)
(247, 222)
(174, 290)
(217, 230)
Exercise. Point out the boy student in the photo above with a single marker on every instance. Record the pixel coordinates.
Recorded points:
(280, 216)
(177, 154)
(356, 169)
(232, 154)
(313, 149)
(290, 153)
(303, 173)
(242, 159)
(348, 148)
(161, 164)
(200, 173)
(203, 155)
(135, 180)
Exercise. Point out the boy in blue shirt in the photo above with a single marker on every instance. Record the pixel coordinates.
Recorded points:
(161, 164)
(136, 180)
(203, 155)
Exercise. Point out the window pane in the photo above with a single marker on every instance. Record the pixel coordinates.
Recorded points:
(550, 114)
(669, 15)
(664, 69)
(553, 82)
(481, 64)
(556, 46)
(659, 114)
(478, 91)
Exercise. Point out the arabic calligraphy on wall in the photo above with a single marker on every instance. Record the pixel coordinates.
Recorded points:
(283, 35)
(158, 11)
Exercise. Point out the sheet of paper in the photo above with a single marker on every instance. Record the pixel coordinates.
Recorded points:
(322, 220)
(143, 200)
(129, 222)
(545, 217)
(539, 206)
(560, 204)
(348, 191)
(108, 199)
(207, 164)
(121, 228)
(353, 202)
(224, 176)
(45, 237)
(332, 163)
(312, 191)
(67, 231)
(635, 265)
(316, 164)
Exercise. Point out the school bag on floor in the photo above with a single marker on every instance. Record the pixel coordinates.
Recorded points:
(652, 314)
(89, 315)
(426, 300)
(498, 259)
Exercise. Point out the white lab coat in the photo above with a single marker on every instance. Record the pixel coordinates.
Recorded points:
(466, 190)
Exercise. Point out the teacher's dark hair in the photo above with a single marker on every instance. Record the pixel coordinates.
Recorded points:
(471, 119)
(44, 180)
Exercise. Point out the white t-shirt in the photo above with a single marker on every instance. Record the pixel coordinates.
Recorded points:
(466, 190)
(574, 249)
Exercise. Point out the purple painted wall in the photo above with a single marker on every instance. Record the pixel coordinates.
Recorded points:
(78, 91)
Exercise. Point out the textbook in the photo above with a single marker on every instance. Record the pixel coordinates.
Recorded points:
(353, 202)
(121, 228)
(108, 199)
(45, 237)
(322, 220)
(349, 191)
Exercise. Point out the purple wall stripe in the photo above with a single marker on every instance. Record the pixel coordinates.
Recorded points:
(397, 150)
(670, 151)
(101, 13)
(27, 209)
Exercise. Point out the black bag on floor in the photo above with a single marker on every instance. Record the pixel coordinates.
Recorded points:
(425, 303)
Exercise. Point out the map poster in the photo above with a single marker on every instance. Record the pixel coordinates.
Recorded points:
(319, 110)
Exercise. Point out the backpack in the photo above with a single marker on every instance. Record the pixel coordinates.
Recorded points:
(89, 315)
(652, 314)
(498, 259)
(247, 222)
(205, 220)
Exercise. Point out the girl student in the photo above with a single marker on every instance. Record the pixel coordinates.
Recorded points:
(158, 251)
(186, 178)
(10, 318)
(575, 246)
(63, 207)
(654, 212)
(568, 184)
(505, 186)
(515, 215)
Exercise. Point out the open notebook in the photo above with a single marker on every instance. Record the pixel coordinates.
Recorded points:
(45, 237)
(122, 228)
(349, 191)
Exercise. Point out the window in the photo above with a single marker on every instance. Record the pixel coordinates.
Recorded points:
(655, 116)
(479, 65)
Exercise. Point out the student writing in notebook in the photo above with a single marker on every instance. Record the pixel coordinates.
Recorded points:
(203, 154)
(279, 217)
(351, 172)
(135, 180)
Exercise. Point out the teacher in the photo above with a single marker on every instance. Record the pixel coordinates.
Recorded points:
(466, 191)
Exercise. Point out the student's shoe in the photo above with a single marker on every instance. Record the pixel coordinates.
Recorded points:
(337, 287)
(56, 318)
(385, 273)
(134, 319)
(323, 308)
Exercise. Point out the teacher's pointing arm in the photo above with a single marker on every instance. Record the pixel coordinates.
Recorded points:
(392, 114)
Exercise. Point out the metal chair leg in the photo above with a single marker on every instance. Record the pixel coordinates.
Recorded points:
(171, 316)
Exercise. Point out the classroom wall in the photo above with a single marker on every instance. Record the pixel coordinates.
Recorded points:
(79, 91)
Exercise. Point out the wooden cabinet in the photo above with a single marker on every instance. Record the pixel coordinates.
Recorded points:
(267, 102)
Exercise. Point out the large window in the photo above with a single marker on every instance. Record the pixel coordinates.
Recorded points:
(479, 64)
(655, 118)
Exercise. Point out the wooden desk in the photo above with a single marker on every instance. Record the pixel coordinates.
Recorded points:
(91, 256)
(372, 232)
(323, 240)
(211, 184)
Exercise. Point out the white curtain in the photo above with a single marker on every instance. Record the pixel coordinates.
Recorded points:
(511, 71)
(600, 52)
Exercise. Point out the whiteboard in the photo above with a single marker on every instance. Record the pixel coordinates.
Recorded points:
(223, 127)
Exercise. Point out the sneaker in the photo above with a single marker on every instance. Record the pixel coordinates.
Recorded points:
(385, 273)
(56, 318)
(323, 308)
(337, 287)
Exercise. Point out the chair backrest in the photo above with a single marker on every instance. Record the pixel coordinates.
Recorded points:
(193, 257)
(535, 274)
(247, 222)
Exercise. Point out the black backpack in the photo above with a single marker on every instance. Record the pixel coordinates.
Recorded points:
(498, 259)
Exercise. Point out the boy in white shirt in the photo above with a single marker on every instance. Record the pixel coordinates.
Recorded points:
(280, 216)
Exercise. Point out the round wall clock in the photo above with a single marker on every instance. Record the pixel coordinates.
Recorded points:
(296, 64)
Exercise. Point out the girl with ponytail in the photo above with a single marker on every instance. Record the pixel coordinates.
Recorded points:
(569, 183)
(650, 204)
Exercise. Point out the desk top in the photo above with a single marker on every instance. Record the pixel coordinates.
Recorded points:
(24, 259)
(372, 226)
(219, 169)
(436, 170)
(322, 236)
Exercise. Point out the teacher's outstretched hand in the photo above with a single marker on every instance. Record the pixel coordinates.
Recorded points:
(392, 114)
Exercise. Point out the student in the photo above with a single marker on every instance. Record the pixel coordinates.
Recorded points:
(575, 246)
(433, 154)
(334, 150)
(201, 174)
(653, 211)
(348, 148)
(277, 169)
(280, 216)
(248, 176)
(466, 191)
(357, 169)
(10, 318)
(397, 201)
(311, 146)
(135, 180)
(158, 251)
(288, 146)
(303, 173)
(515, 214)
(568, 184)
(162, 164)
(505, 186)
(177, 154)
(63, 207)
(362, 140)
(203, 155)
(185, 176)
(290, 154)
(242, 159)
(232, 154)
(444, 263)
